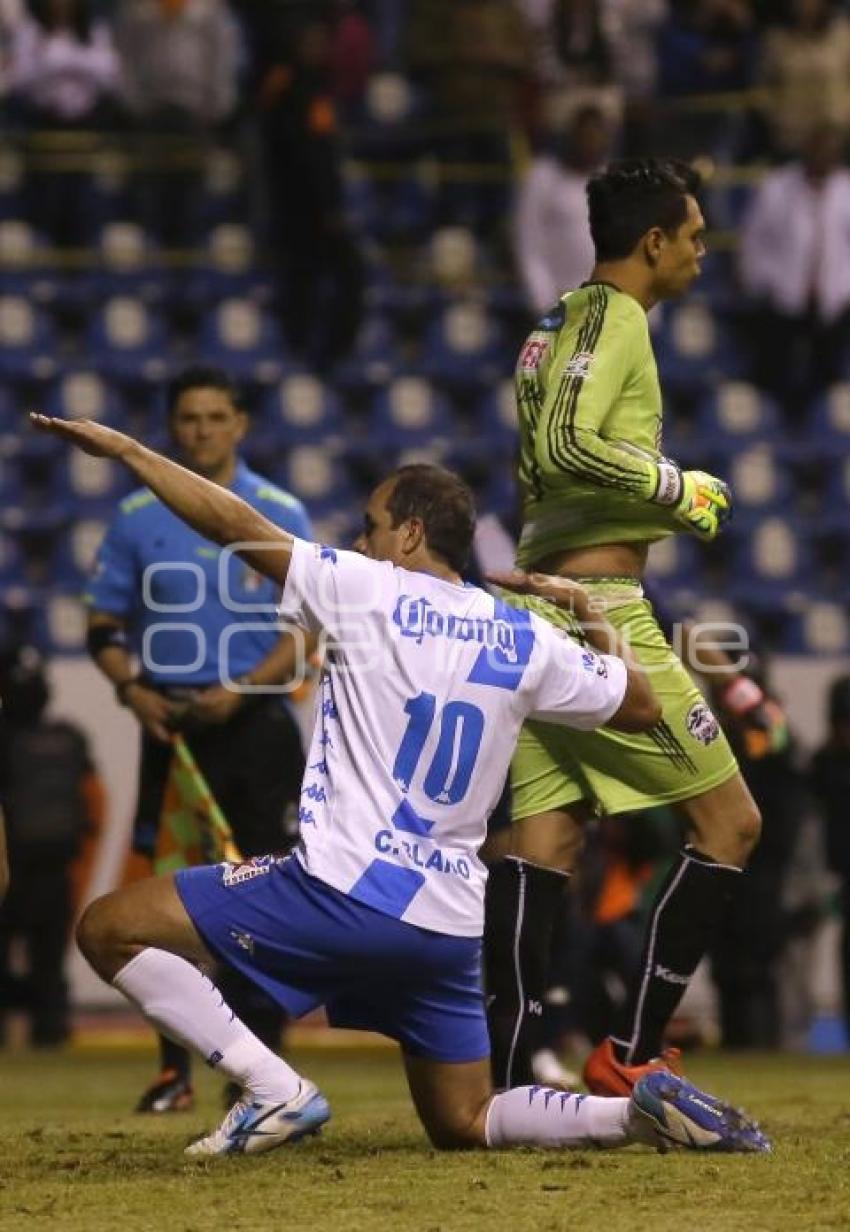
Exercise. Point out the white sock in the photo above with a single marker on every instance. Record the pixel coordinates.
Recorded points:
(187, 1007)
(541, 1116)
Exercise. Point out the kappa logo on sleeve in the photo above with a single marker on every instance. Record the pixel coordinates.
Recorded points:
(257, 866)
(593, 663)
(579, 365)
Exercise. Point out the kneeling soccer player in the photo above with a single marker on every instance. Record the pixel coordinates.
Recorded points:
(379, 913)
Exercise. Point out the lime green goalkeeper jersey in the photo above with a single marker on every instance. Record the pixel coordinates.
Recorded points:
(589, 406)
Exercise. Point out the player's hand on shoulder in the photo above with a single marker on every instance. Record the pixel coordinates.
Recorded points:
(563, 592)
(93, 438)
(705, 504)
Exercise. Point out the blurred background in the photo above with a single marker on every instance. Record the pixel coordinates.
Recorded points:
(358, 210)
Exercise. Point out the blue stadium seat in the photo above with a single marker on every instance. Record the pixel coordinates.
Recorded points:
(759, 481)
(338, 527)
(382, 120)
(463, 348)
(815, 625)
(374, 358)
(409, 413)
(12, 413)
(495, 490)
(692, 347)
(239, 336)
(24, 263)
(390, 100)
(27, 341)
(19, 608)
(228, 271)
(128, 264)
(675, 561)
(82, 394)
(73, 554)
(496, 421)
(454, 259)
(319, 477)
(12, 562)
(300, 410)
(770, 558)
(391, 207)
(827, 423)
(734, 415)
(126, 342)
(60, 623)
(90, 486)
(836, 493)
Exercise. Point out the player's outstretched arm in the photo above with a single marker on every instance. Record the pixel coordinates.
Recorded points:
(640, 708)
(211, 510)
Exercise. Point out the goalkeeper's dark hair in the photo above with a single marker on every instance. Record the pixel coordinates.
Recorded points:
(444, 504)
(632, 196)
(202, 377)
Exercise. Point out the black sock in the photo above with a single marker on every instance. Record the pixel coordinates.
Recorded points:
(520, 909)
(686, 910)
(175, 1056)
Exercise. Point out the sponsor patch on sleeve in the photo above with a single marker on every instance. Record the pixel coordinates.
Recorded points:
(579, 365)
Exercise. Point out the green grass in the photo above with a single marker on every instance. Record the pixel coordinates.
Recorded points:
(71, 1158)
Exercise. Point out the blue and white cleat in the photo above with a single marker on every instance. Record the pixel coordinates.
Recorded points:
(250, 1128)
(667, 1111)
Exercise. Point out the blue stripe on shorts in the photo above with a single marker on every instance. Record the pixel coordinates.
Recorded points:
(306, 944)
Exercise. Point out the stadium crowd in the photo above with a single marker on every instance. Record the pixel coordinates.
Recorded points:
(358, 210)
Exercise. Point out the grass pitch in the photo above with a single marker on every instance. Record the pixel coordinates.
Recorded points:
(73, 1160)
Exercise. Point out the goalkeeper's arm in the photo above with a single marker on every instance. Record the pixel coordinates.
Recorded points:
(569, 439)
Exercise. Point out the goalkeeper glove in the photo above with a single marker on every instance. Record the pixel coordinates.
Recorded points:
(699, 501)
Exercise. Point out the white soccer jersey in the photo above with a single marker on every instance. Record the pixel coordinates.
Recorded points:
(425, 687)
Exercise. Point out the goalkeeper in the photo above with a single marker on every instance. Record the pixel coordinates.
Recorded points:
(596, 493)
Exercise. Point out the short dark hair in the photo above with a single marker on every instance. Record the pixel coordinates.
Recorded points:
(633, 195)
(201, 377)
(443, 502)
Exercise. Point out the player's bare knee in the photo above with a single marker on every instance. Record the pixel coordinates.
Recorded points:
(460, 1131)
(98, 937)
(748, 832)
(730, 838)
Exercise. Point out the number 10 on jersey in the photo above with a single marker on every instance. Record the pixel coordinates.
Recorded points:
(461, 728)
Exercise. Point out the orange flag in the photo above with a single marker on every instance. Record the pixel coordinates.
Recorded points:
(193, 829)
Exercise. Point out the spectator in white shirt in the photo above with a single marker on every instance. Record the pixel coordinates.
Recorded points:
(795, 266)
(554, 250)
(63, 65)
(180, 63)
(63, 74)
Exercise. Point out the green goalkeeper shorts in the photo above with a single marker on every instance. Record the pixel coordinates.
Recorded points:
(684, 755)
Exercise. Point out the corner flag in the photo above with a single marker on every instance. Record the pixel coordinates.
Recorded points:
(193, 829)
